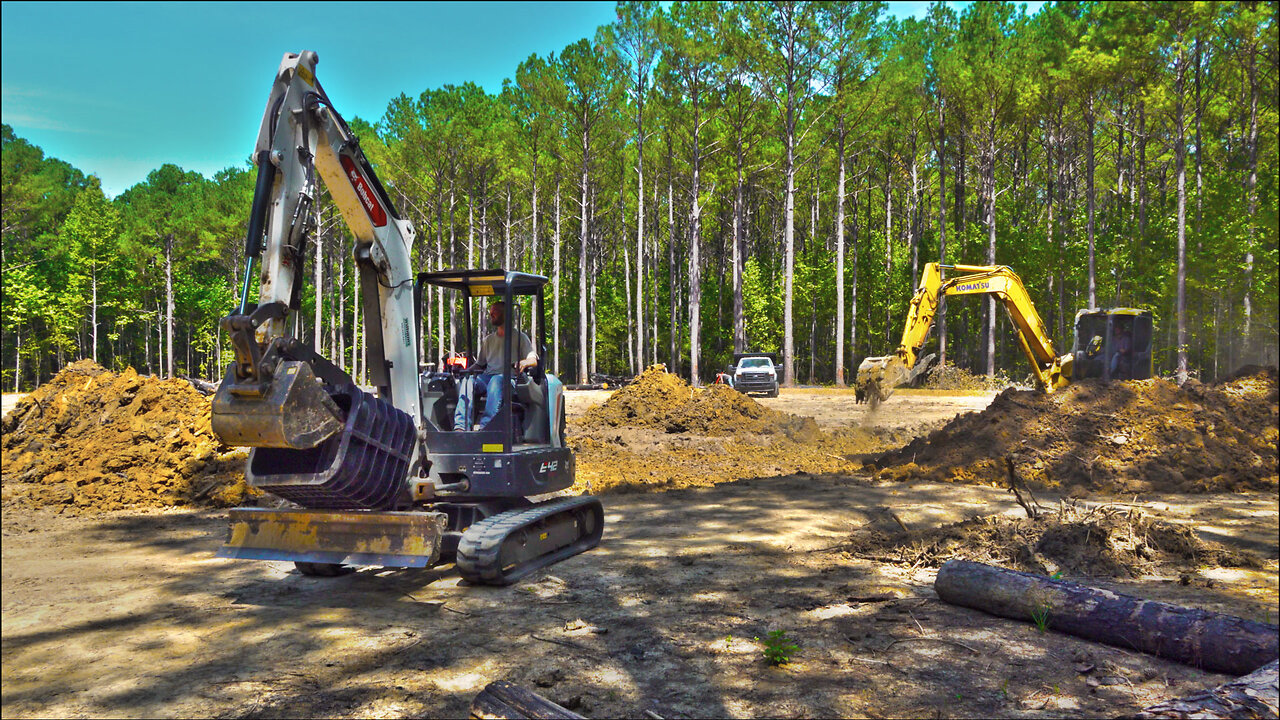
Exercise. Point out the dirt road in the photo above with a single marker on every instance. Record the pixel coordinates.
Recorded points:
(129, 615)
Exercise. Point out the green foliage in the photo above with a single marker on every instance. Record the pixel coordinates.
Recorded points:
(992, 103)
(778, 648)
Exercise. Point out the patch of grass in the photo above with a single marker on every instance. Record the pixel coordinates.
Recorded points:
(1040, 616)
(778, 648)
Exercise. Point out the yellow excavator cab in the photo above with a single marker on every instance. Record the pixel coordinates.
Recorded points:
(1113, 344)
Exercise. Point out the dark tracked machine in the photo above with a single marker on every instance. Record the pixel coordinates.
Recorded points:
(380, 476)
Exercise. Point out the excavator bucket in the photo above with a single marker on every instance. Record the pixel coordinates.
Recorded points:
(386, 539)
(878, 376)
(291, 411)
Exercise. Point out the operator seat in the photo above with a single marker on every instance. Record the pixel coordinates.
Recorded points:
(530, 402)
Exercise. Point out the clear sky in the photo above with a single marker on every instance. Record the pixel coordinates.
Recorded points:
(118, 89)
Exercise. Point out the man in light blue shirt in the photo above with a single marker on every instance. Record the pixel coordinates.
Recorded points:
(489, 357)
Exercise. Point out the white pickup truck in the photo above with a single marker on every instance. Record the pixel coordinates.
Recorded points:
(755, 373)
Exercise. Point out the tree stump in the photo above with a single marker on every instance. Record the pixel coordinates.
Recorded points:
(1207, 640)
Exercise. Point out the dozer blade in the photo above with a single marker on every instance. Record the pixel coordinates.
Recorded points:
(387, 539)
(292, 411)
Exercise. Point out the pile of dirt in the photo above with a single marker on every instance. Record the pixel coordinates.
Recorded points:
(91, 440)
(1102, 541)
(953, 378)
(662, 401)
(660, 434)
(1123, 437)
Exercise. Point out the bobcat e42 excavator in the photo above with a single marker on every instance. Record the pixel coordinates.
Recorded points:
(1109, 343)
(381, 478)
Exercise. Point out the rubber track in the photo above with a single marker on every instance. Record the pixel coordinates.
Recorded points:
(480, 546)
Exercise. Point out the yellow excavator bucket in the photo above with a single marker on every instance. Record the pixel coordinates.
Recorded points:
(352, 537)
(878, 376)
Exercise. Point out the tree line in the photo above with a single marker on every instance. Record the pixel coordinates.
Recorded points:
(720, 177)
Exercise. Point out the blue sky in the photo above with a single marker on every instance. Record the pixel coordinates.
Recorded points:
(118, 89)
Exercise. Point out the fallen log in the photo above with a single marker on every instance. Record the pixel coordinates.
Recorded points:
(1207, 640)
(204, 387)
(1256, 695)
(501, 700)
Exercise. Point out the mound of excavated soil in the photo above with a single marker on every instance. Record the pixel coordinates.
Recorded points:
(1100, 542)
(662, 401)
(91, 440)
(951, 377)
(659, 434)
(1122, 437)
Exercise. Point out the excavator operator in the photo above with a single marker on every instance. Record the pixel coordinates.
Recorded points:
(489, 361)
(1122, 351)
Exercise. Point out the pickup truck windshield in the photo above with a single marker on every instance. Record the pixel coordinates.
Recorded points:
(756, 363)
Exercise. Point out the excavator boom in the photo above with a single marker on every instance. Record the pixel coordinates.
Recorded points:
(879, 376)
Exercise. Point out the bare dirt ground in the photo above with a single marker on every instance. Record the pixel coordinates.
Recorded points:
(127, 614)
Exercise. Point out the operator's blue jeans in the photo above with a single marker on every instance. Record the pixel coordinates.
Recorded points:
(466, 396)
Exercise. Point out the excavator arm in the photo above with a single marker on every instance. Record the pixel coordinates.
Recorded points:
(878, 376)
(268, 397)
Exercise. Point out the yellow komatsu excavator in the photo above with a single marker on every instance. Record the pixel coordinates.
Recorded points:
(1110, 343)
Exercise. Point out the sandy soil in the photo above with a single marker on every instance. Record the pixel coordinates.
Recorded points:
(127, 613)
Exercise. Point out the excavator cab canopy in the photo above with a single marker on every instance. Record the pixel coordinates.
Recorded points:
(1113, 344)
(521, 451)
(493, 285)
(493, 282)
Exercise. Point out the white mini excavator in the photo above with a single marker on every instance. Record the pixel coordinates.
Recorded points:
(378, 476)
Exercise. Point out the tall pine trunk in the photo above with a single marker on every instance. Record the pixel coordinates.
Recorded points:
(991, 243)
(632, 325)
(695, 264)
(168, 294)
(1180, 160)
(93, 279)
(942, 230)
(788, 324)
(839, 371)
(319, 281)
(888, 245)
(582, 271)
(1089, 122)
(640, 241)
(555, 284)
(536, 265)
(671, 270)
(1251, 190)
(739, 317)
